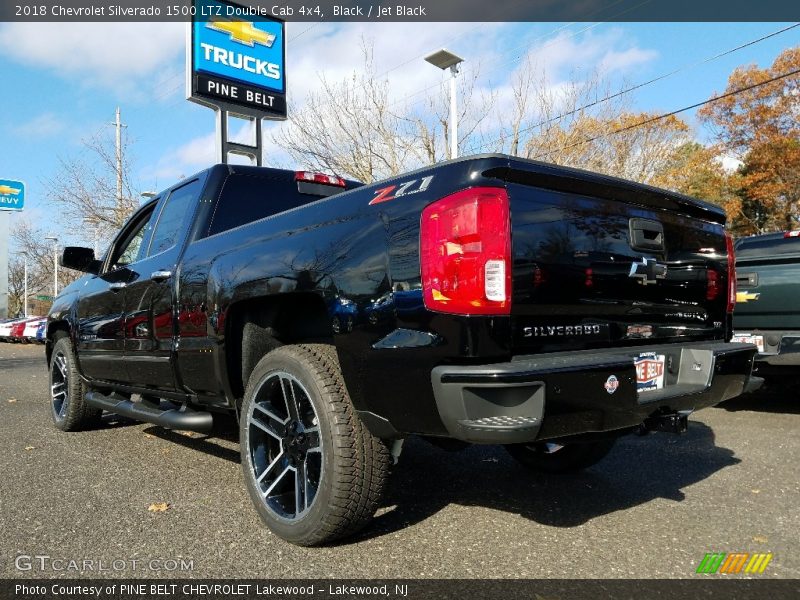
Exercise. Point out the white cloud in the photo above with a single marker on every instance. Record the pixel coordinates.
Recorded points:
(126, 57)
(44, 125)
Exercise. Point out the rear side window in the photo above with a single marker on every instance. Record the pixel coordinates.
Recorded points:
(763, 247)
(173, 216)
(245, 198)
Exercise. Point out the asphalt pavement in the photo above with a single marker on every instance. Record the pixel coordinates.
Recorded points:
(653, 508)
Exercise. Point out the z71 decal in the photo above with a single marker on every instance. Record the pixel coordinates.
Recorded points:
(407, 188)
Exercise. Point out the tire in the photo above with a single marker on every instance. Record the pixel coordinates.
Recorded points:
(298, 425)
(556, 458)
(68, 408)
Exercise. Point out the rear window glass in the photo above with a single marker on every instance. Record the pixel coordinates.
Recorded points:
(245, 198)
(760, 247)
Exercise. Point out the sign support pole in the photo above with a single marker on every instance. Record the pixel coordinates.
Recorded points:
(223, 145)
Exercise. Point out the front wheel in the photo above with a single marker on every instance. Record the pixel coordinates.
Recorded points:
(67, 405)
(560, 458)
(313, 471)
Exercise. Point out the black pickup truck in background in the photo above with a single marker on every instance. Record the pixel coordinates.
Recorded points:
(487, 299)
(768, 302)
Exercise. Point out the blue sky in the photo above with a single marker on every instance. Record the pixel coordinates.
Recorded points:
(62, 82)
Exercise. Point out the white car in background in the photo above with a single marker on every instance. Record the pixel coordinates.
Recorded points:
(29, 333)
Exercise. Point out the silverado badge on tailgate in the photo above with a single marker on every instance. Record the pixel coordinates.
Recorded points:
(649, 371)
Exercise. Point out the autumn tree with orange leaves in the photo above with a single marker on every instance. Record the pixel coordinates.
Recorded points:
(761, 128)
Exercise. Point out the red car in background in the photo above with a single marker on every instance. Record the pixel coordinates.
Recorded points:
(16, 331)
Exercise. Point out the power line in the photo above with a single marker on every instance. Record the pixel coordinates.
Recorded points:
(645, 83)
(671, 113)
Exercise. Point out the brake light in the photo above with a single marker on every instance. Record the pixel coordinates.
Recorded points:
(731, 273)
(319, 178)
(465, 253)
(792, 234)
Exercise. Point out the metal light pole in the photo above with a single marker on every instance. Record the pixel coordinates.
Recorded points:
(444, 59)
(25, 286)
(55, 264)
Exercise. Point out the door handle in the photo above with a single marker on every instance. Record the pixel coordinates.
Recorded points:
(160, 275)
(117, 286)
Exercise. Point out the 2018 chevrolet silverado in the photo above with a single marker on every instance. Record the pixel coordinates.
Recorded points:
(494, 300)
(768, 300)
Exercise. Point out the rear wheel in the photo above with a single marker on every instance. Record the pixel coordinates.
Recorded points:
(67, 405)
(313, 471)
(550, 457)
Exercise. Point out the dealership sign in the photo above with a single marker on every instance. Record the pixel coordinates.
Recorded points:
(12, 194)
(237, 58)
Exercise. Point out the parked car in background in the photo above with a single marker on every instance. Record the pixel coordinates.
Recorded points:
(41, 331)
(31, 327)
(768, 300)
(6, 327)
(17, 330)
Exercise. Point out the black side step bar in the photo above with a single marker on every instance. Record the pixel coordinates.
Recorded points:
(182, 418)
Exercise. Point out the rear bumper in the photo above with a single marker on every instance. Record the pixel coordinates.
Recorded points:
(572, 393)
(782, 349)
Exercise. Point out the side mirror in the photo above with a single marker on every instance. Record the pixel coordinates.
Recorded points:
(80, 259)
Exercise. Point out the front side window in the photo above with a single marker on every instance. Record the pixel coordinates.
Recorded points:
(129, 246)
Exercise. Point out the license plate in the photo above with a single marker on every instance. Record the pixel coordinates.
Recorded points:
(649, 371)
(747, 338)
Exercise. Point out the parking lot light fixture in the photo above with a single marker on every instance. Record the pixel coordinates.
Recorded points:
(444, 59)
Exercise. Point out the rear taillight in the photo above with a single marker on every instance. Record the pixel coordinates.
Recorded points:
(731, 273)
(465, 253)
(792, 234)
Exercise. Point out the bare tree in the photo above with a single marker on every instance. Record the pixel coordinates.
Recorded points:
(354, 129)
(85, 188)
(32, 247)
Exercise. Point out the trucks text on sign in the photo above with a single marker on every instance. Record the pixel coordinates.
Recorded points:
(238, 58)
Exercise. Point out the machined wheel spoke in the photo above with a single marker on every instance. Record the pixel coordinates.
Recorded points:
(300, 488)
(289, 396)
(274, 483)
(270, 467)
(61, 363)
(272, 424)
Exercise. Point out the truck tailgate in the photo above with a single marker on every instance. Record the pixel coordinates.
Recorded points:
(602, 266)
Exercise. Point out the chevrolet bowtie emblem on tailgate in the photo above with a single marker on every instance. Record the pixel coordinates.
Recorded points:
(243, 32)
(648, 271)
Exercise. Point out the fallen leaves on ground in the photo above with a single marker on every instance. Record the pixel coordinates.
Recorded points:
(158, 507)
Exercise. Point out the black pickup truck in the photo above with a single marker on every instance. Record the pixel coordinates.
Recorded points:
(487, 300)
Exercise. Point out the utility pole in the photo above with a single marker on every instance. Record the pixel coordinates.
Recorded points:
(118, 124)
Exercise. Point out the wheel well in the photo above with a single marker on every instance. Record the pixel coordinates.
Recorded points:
(55, 331)
(255, 327)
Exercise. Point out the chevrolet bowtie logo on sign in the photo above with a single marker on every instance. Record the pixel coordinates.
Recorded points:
(238, 58)
(7, 190)
(243, 32)
(734, 563)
